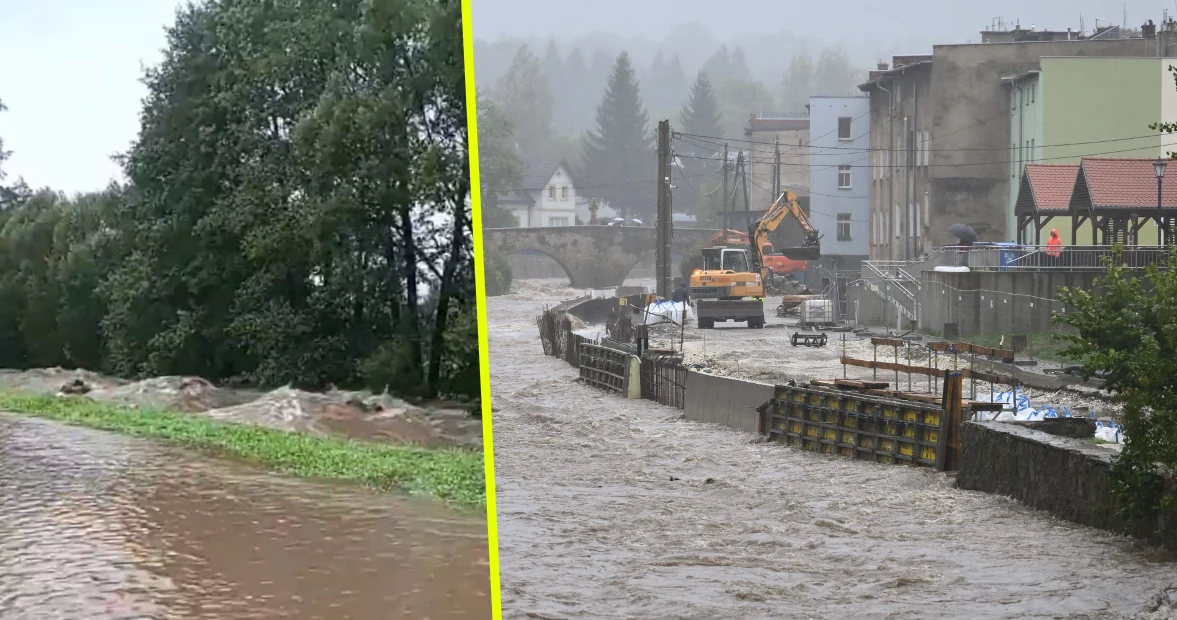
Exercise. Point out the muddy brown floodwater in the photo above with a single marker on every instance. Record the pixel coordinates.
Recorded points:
(98, 526)
(611, 508)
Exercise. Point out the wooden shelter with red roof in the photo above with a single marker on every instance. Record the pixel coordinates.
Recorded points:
(1045, 194)
(1117, 197)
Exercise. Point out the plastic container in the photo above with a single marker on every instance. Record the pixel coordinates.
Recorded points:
(817, 311)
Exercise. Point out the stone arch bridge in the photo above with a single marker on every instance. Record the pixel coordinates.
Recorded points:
(592, 256)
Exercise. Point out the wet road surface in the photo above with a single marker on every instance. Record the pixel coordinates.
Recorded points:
(610, 508)
(103, 527)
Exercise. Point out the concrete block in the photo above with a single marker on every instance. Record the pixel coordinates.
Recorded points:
(633, 381)
(725, 401)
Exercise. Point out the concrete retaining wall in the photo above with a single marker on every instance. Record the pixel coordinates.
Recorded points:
(1012, 301)
(1066, 477)
(725, 401)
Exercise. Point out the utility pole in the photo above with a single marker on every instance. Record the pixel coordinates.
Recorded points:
(776, 168)
(664, 211)
(726, 206)
(742, 176)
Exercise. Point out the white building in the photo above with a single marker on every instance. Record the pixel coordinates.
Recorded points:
(548, 197)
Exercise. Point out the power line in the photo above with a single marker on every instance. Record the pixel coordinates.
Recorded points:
(985, 163)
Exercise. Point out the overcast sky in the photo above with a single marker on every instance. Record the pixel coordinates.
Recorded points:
(847, 19)
(70, 69)
(69, 74)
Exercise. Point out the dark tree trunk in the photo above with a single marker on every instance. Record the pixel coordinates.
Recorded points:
(437, 347)
(412, 322)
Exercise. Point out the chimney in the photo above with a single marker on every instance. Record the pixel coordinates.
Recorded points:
(883, 66)
(1148, 30)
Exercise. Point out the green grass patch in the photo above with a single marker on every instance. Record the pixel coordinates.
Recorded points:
(452, 475)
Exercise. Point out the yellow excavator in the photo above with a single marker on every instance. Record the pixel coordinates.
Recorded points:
(730, 286)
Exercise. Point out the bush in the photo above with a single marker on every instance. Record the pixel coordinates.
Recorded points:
(460, 375)
(1129, 330)
(393, 368)
(498, 273)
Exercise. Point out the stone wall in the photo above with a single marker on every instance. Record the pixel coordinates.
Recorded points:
(1064, 476)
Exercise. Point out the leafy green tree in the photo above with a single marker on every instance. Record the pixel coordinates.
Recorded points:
(835, 73)
(498, 273)
(798, 83)
(739, 98)
(1127, 327)
(619, 158)
(298, 204)
(524, 97)
(500, 170)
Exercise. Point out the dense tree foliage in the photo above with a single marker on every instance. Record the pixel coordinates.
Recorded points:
(500, 170)
(297, 211)
(619, 157)
(1127, 327)
(498, 273)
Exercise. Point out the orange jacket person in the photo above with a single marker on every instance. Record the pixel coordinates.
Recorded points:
(1054, 247)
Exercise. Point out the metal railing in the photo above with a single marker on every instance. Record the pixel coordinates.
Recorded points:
(1076, 258)
(907, 304)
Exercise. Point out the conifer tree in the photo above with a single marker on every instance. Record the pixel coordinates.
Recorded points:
(620, 165)
(700, 117)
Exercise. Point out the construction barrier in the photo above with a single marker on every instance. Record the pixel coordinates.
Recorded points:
(867, 426)
(664, 380)
(604, 368)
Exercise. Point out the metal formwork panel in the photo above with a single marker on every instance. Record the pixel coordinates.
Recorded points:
(856, 425)
(603, 367)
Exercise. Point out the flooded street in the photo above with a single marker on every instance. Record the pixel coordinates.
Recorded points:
(612, 508)
(100, 526)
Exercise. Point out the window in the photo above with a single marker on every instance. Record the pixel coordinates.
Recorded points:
(557, 221)
(844, 128)
(1032, 148)
(897, 216)
(551, 192)
(843, 177)
(564, 193)
(735, 260)
(1032, 89)
(843, 227)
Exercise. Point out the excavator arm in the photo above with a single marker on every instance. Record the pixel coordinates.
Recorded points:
(784, 206)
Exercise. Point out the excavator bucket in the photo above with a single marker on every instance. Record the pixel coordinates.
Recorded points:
(809, 252)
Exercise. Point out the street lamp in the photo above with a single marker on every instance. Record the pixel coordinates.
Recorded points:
(1159, 167)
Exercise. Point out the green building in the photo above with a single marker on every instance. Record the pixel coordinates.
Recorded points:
(1075, 107)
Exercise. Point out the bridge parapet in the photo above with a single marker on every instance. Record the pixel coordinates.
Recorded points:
(592, 256)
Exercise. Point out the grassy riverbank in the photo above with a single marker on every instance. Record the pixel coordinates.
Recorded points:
(455, 476)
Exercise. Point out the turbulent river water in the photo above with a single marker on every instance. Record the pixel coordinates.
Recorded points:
(611, 508)
(98, 526)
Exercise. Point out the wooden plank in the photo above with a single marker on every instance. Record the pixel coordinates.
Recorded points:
(964, 347)
(888, 342)
(928, 370)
